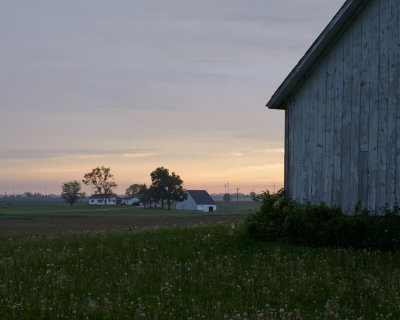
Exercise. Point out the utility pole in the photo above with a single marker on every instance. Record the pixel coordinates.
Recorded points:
(226, 187)
(237, 198)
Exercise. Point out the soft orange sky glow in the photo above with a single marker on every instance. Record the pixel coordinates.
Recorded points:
(249, 169)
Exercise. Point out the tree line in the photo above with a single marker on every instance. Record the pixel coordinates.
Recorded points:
(165, 187)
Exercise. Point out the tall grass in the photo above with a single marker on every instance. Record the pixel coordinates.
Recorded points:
(208, 272)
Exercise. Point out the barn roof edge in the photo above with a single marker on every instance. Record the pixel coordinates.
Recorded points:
(340, 21)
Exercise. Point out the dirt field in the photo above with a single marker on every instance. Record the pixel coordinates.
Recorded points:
(96, 224)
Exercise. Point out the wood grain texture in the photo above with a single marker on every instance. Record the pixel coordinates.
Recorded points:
(343, 124)
(393, 75)
(383, 106)
(355, 110)
(374, 48)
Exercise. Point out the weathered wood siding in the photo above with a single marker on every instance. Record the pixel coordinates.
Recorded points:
(343, 122)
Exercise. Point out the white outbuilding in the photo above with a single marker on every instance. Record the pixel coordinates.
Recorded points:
(99, 199)
(198, 200)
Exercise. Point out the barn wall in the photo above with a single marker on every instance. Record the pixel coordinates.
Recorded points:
(188, 204)
(343, 123)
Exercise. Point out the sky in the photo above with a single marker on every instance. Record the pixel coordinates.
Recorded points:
(134, 85)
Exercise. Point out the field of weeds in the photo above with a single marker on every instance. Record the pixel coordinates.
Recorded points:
(204, 272)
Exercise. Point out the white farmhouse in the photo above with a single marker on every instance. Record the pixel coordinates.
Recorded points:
(198, 200)
(98, 199)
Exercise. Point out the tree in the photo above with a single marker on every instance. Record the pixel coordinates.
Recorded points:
(102, 180)
(253, 194)
(133, 189)
(71, 192)
(167, 186)
(227, 197)
(147, 196)
(159, 178)
(175, 191)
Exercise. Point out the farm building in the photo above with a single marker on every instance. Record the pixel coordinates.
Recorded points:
(130, 201)
(98, 199)
(198, 200)
(342, 115)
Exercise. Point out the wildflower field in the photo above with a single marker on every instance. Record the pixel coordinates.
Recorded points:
(201, 272)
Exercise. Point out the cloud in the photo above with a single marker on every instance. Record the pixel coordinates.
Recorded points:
(69, 154)
(269, 150)
(230, 154)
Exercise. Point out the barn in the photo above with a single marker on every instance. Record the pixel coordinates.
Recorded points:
(342, 115)
(198, 200)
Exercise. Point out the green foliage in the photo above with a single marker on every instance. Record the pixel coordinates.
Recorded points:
(133, 189)
(71, 192)
(148, 196)
(282, 219)
(167, 186)
(102, 180)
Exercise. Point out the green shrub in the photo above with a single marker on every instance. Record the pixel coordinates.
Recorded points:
(282, 219)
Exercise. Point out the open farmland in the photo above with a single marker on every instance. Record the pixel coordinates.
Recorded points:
(34, 218)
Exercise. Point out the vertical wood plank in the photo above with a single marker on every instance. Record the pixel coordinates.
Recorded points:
(304, 139)
(337, 147)
(291, 153)
(307, 159)
(365, 97)
(393, 48)
(287, 151)
(329, 130)
(296, 148)
(365, 79)
(321, 131)
(346, 122)
(374, 46)
(313, 136)
(355, 112)
(398, 119)
(383, 107)
(302, 133)
(292, 142)
(299, 149)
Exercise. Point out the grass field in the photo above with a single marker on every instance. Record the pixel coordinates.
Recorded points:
(206, 272)
(30, 210)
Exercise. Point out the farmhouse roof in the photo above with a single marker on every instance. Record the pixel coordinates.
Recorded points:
(200, 196)
(345, 16)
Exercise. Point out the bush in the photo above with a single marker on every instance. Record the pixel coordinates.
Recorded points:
(282, 219)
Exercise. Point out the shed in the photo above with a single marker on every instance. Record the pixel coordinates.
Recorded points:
(198, 200)
(342, 115)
